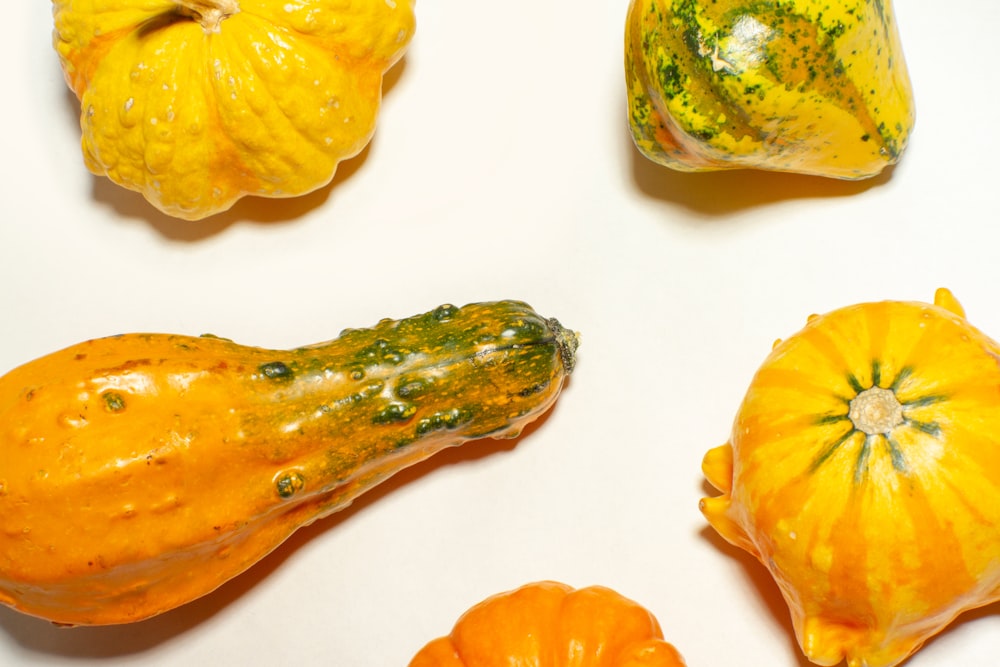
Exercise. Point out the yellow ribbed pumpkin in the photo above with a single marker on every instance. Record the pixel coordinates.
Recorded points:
(863, 471)
(196, 103)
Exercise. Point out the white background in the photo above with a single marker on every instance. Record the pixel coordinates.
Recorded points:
(502, 168)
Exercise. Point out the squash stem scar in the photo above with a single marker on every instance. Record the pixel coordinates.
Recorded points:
(210, 13)
(875, 411)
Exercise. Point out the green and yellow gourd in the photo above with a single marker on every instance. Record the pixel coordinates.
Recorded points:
(807, 86)
(142, 471)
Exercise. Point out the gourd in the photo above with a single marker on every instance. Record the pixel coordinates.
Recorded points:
(142, 471)
(549, 623)
(806, 86)
(196, 103)
(863, 471)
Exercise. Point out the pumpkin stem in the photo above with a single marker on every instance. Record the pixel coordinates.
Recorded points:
(210, 13)
(876, 410)
(567, 341)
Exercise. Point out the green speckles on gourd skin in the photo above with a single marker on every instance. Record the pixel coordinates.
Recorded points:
(369, 391)
(452, 373)
(113, 401)
(668, 74)
(409, 387)
(873, 414)
(277, 371)
(380, 352)
(445, 312)
(288, 484)
(534, 389)
(394, 412)
(446, 419)
(766, 83)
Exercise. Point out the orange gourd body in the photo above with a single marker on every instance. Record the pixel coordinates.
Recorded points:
(551, 624)
(864, 472)
(142, 471)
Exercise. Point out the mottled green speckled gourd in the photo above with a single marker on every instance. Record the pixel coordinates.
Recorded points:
(809, 86)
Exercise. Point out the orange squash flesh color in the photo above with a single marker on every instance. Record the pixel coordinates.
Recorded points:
(142, 471)
(863, 471)
(549, 623)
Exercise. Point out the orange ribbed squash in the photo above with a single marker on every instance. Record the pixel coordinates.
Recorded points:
(551, 624)
(863, 471)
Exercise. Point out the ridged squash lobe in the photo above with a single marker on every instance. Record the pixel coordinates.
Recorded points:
(863, 471)
(551, 624)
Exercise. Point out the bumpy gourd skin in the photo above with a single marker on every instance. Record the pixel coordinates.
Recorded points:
(144, 470)
(550, 624)
(864, 472)
(196, 103)
(809, 86)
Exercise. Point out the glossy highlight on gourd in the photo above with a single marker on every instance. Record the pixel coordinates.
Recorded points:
(142, 471)
(863, 471)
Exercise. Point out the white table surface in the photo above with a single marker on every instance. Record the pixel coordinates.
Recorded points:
(502, 168)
